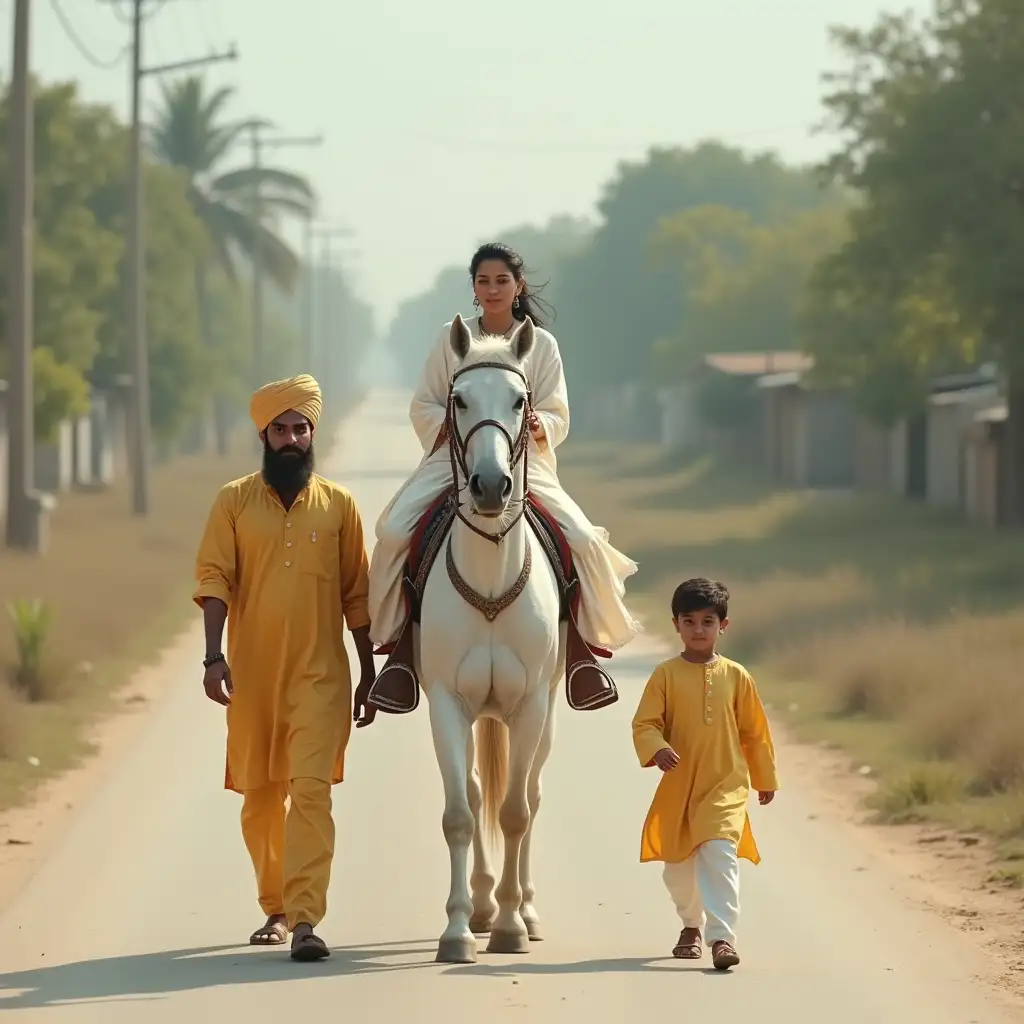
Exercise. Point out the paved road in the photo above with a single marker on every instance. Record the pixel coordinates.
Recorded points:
(138, 914)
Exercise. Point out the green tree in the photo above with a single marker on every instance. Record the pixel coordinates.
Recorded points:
(614, 301)
(933, 115)
(191, 134)
(76, 256)
(745, 283)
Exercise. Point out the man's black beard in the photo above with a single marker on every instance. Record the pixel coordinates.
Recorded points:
(287, 470)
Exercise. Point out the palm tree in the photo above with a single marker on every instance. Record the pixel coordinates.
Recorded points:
(190, 133)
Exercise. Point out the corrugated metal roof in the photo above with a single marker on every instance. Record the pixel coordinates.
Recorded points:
(964, 396)
(757, 364)
(780, 380)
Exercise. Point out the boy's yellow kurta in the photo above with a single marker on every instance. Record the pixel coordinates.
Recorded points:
(288, 578)
(712, 717)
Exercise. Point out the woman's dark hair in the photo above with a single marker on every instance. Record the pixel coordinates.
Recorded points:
(530, 301)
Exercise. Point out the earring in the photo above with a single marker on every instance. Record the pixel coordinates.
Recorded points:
(515, 302)
(476, 301)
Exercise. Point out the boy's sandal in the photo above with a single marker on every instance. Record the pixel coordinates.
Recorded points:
(689, 946)
(723, 956)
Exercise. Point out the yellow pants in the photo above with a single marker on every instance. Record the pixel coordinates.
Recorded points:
(291, 853)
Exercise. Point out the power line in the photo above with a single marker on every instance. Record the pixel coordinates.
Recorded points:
(128, 18)
(76, 39)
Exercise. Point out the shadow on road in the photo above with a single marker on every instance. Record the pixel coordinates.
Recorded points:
(148, 976)
(621, 965)
(153, 975)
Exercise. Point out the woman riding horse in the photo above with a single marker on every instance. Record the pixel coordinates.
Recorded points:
(603, 623)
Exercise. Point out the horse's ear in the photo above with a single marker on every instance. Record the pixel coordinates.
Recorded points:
(522, 341)
(460, 338)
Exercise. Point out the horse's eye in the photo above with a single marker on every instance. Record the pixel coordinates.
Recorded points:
(520, 402)
(460, 403)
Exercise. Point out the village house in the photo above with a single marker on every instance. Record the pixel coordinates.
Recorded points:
(948, 455)
(687, 425)
(811, 435)
(984, 450)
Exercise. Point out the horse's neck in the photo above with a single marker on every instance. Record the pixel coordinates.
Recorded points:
(489, 568)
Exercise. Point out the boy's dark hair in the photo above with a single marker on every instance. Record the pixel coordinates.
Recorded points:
(699, 594)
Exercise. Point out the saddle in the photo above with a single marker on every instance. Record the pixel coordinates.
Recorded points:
(434, 528)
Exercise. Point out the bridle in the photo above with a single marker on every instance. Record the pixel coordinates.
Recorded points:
(457, 446)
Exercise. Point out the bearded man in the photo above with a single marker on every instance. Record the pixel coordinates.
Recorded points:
(283, 563)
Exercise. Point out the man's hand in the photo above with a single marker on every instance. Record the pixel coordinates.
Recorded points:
(364, 712)
(217, 683)
(666, 759)
(765, 797)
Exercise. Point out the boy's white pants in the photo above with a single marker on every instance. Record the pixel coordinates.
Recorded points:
(706, 890)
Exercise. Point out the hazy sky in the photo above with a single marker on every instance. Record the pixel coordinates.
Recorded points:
(446, 121)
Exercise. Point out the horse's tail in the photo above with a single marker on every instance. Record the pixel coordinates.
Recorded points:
(492, 758)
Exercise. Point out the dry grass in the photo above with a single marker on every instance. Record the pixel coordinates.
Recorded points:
(117, 586)
(888, 629)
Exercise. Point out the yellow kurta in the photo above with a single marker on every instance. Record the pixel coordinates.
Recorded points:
(712, 717)
(289, 579)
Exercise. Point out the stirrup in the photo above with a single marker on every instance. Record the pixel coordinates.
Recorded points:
(599, 700)
(387, 705)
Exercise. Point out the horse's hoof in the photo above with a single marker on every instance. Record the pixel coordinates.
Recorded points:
(533, 930)
(481, 926)
(456, 951)
(508, 942)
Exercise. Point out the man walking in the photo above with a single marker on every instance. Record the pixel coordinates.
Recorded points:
(283, 562)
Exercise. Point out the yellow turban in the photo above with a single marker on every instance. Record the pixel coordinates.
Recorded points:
(300, 394)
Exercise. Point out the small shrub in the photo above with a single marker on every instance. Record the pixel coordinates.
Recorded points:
(33, 622)
(1012, 877)
(903, 800)
(1012, 851)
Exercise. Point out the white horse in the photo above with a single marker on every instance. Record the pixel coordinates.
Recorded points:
(490, 650)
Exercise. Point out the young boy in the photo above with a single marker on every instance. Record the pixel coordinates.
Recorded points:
(701, 722)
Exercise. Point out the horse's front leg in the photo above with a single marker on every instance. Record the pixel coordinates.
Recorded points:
(482, 879)
(451, 731)
(509, 933)
(533, 793)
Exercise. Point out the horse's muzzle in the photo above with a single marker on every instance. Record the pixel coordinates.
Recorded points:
(490, 493)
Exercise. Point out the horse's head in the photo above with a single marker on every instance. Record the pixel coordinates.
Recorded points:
(487, 411)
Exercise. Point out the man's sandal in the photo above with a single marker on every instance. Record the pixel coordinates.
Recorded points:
(689, 946)
(309, 947)
(271, 934)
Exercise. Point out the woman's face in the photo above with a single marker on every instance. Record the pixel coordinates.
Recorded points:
(495, 286)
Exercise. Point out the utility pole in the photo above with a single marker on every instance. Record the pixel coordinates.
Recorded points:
(309, 291)
(326, 236)
(139, 433)
(259, 144)
(25, 508)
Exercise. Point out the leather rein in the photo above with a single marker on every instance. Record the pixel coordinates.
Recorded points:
(518, 446)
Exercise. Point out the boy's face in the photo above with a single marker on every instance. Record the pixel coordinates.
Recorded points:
(700, 630)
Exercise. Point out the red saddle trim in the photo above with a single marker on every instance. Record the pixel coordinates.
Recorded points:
(416, 546)
(565, 556)
(415, 557)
